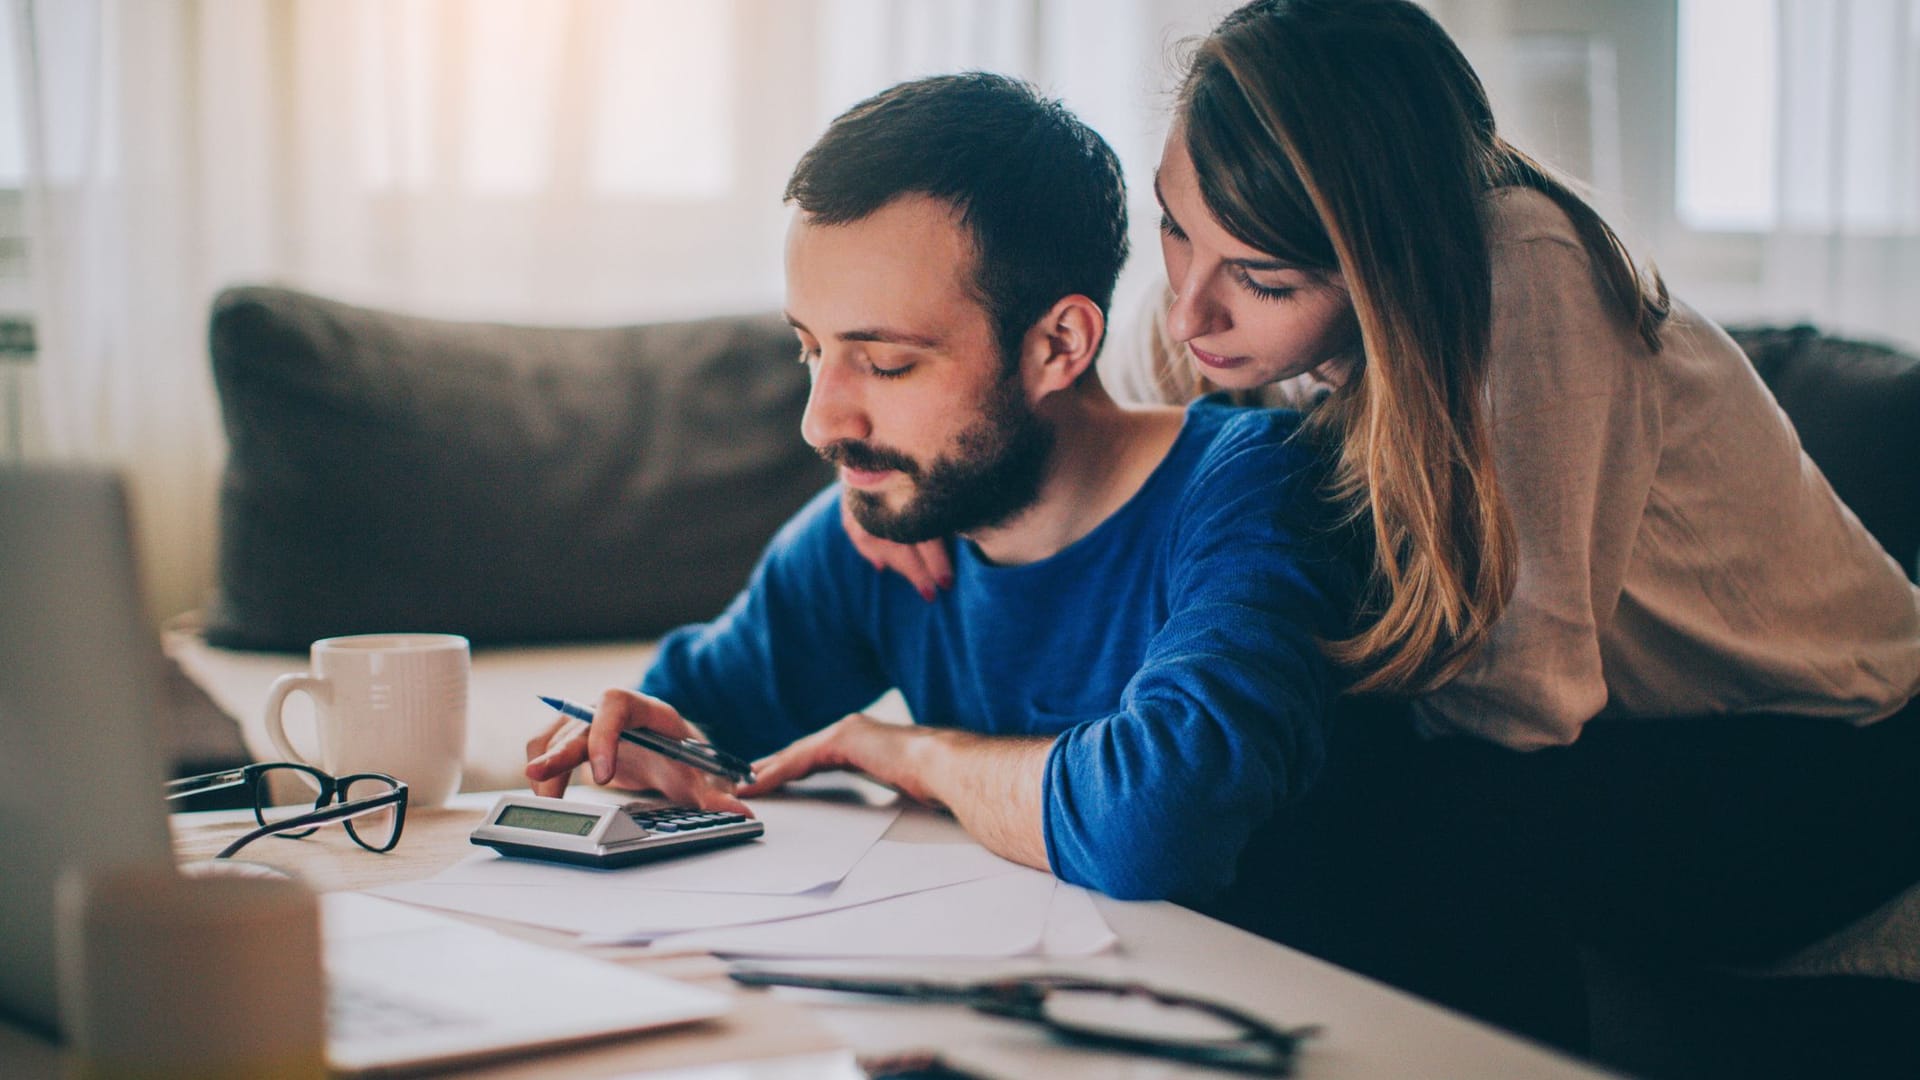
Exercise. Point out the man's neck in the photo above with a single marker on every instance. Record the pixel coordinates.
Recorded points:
(1102, 455)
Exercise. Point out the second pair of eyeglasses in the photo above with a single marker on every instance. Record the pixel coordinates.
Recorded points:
(372, 806)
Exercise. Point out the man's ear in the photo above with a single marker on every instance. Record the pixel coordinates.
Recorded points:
(1061, 344)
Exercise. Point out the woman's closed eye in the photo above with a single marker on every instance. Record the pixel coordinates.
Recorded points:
(1264, 291)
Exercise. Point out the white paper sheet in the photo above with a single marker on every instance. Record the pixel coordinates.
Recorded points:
(890, 869)
(620, 915)
(348, 916)
(808, 844)
(586, 909)
(498, 993)
(1074, 926)
(1004, 915)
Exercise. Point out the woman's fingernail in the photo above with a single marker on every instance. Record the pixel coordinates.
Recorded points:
(601, 773)
(947, 582)
(926, 593)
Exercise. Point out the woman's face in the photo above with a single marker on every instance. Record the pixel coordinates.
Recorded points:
(1247, 318)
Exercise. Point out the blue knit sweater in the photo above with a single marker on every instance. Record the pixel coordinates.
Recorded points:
(1170, 653)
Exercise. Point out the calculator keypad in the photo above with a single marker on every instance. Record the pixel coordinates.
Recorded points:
(679, 819)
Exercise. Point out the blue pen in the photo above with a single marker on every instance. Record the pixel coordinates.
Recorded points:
(703, 756)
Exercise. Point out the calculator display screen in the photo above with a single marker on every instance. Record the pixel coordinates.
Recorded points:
(544, 820)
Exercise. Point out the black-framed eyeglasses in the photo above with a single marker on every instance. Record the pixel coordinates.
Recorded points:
(373, 806)
(1095, 1012)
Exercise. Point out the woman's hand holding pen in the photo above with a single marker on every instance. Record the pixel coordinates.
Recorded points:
(562, 746)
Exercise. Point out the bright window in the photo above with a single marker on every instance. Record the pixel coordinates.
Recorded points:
(1799, 115)
(13, 143)
(1727, 114)
(466, 97)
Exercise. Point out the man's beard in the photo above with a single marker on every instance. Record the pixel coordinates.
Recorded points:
(993, 475)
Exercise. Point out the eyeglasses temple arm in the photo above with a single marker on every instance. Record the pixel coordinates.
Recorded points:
(327, 815)
(909, 988)
(194, 785)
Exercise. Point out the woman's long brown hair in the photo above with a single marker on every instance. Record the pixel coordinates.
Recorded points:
(1353, 136)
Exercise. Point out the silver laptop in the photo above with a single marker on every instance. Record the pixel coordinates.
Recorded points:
(80, 786)
(79, 715)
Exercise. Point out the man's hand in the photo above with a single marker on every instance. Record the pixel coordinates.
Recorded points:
(925, 564)
(890, 753)
(991, 783)
(561, 746)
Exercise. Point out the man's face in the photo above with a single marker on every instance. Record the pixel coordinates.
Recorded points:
(932, 432)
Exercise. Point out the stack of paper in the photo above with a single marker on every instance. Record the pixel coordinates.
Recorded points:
(820, 884)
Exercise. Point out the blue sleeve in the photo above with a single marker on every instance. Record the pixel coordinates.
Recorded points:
(791, 654)
(1225, 719)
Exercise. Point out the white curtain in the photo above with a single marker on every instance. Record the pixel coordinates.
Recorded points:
(557, 161)
(120, 264)
(1845, 251)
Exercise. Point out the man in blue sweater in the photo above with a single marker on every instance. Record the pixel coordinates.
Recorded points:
(1124, 680)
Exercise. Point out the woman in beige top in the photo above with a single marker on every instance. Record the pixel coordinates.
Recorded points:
(1674, 551)
(1594, 544)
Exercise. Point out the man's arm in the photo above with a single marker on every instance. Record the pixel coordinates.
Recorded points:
(991, 783)
(1225, 720)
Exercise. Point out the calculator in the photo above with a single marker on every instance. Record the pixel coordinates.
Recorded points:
(606, 836)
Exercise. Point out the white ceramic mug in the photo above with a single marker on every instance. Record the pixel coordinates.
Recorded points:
(390, 703)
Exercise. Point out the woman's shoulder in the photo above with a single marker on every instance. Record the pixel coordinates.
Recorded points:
(1548, 291)
(1518, 215)
(1546, 282)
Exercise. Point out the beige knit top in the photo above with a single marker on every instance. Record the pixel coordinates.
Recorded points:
(1679, 554)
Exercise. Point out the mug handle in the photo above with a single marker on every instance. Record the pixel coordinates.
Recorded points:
(316, 688)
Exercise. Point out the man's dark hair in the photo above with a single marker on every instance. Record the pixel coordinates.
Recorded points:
(1041, 191)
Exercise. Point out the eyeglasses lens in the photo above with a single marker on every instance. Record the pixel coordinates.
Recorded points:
(378, 830)
(1139, 1017)
(281, 792)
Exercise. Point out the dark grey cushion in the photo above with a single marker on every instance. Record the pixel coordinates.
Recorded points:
(510, 483)
(1856, 407)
